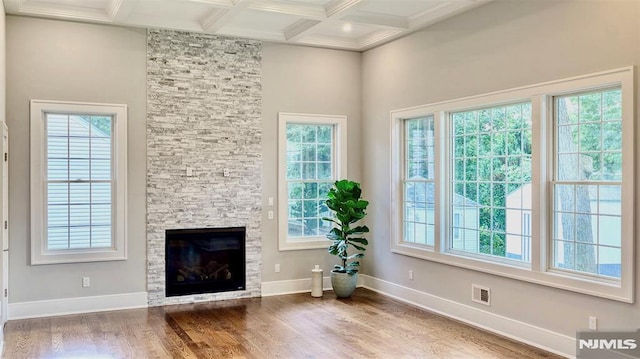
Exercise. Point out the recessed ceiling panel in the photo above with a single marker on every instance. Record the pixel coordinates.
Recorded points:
(80, 4)
(405, 8)
(172, 9)
(266, 21)
(343, 29)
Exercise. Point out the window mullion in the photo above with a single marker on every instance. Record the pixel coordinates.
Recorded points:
(69, 181)
(540, 160)
(441, 206)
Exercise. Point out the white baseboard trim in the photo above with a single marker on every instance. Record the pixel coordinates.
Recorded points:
(522, 332)
(292, 286)
(55, 307)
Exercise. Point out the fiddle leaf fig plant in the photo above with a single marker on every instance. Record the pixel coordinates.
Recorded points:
(344, 200)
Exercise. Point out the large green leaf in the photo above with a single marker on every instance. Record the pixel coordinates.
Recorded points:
(360, 248)
(335, 235)
(357, 230)
(359, 240)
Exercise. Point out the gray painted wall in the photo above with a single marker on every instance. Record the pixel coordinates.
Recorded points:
(3, 83)
(3, 62)
(316, 81)
(304, 80)
(498, 46)
(55, 60)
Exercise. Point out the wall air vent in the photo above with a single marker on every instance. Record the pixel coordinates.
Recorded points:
(480, 294)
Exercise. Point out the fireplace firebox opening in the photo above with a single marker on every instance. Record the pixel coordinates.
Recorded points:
(205, 260)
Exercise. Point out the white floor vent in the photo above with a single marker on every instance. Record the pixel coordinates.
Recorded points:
(480, 294)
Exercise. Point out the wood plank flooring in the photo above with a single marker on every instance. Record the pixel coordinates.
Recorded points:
(369, 325)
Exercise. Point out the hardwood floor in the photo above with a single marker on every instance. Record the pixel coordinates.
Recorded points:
(369, 325)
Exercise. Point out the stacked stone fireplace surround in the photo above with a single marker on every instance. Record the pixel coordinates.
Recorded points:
(204, 101)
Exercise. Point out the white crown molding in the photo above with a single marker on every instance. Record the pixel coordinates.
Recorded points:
(329, 41)
(377, 38)
(252, 34)
(378, 19)
(444, 11)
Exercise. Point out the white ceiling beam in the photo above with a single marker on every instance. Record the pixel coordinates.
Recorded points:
(208, 22)
(337, 7)
(372, 18)
(305, 11)
(113, 7)
(333, 9)
(218, 18)
(225, 4)
(299, 28)
(119, 10)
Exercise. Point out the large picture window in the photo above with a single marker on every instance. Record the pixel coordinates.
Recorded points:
(78, 182)
(534, 183)
(311, 160)
(491, 179)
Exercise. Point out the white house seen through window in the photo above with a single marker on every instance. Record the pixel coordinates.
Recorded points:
(79, 198)
(588, 169)
(419, 190)
(490, 184)
(534, 183)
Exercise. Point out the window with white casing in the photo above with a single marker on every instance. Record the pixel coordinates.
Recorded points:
(311, 157)
(533, 183)
(78, 182)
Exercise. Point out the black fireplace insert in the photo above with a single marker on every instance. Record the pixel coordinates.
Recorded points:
(205, 260)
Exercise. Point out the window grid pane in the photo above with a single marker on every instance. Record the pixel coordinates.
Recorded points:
(418, 181)
(310, 175)
(79, 181)
(491, 181)
(587, 221)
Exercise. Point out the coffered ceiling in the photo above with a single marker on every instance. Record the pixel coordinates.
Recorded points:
(345, 24)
